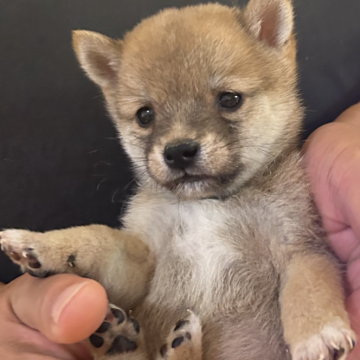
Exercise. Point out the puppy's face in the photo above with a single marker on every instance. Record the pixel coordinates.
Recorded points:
(203, 97)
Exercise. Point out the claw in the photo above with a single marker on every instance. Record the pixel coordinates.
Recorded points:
(71, 261)
(351, 341)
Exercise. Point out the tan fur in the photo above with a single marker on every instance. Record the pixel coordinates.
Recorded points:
(313, 280)
(241, 246)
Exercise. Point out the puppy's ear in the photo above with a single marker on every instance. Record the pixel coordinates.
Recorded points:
(98, 55)
(270, 21)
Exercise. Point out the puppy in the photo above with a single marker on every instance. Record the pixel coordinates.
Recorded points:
(222, 255)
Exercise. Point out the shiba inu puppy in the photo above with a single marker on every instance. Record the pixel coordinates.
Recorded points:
(222, 254)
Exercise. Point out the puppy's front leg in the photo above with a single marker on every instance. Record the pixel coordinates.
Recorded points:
(316, 324)
(121, 262)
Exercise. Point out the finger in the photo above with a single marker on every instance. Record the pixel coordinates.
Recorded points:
(345, 244)
(351, 115)
(346, 180)
(65, 308)
(333, 159)
(350, 119)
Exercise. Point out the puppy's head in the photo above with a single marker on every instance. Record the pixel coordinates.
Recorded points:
(203, 97)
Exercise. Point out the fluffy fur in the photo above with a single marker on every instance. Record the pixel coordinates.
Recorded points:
(235, 238)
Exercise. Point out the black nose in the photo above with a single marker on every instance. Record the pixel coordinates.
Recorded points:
(182, 155)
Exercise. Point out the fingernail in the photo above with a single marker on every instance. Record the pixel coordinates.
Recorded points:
(64, 299)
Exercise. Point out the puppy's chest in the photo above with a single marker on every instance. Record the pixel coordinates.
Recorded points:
(204, 261)
(198, 236)
(198, 245)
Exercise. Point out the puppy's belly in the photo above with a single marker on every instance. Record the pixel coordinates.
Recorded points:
(242, 338)
(238, 308)
(225, 336)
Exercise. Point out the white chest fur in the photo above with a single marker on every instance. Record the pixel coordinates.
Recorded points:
(191, 229)
(198, 249)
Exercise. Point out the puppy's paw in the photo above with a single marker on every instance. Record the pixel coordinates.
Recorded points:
(118, 336)
(333, 343)
(184, 341)
(34, 253)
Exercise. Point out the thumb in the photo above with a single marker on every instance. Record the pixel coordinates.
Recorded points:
(333, 158)
(65, 308)
(351, 173)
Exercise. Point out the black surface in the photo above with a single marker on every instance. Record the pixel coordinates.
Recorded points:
(60, 164)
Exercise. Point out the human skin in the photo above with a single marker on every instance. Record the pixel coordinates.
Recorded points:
(333, 163)
(46, 319)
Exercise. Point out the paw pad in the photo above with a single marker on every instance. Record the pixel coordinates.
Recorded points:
(96, 341)
(120, 345)
(25, 258)
(104, 327)
(187, 336)
(15, 246)
(119, 333)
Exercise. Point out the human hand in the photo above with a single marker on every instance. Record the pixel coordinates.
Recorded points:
(333, 161)
(38, 315)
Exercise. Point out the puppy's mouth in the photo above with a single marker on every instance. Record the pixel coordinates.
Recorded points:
(201, 185)
(191, 179)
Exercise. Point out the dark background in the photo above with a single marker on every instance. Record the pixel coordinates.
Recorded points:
(60, 163)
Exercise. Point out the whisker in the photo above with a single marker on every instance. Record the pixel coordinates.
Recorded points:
(98, 187)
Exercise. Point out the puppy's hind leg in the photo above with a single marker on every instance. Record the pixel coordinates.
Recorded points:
(184, 341)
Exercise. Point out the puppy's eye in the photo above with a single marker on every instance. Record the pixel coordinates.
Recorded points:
(145, 116)
(229, 101)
